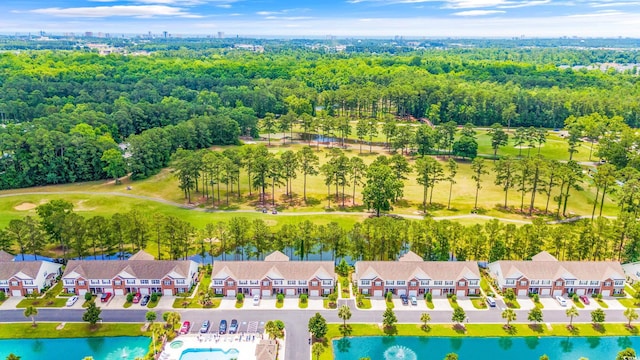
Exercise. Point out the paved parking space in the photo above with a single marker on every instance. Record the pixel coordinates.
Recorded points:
(526, 303)
(165, 302)
(552, 304)
(466, 305)
(230, 303)
(614, 304)
(115, 302)
(378, 304)
(441, 304)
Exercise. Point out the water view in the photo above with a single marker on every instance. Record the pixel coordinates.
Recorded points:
(521, 348)
(103, 348)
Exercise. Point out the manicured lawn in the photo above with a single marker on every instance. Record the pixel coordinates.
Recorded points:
(42, 302)
(629, 303)
(512, 304)
(344, 293)
(239, 304)
(578, 304)
(48, 330)
(279, 304)
(484, 285)
(479, 303)
(189, 303)
(86, 303)
(389, 304)
(303, 305)
(480, 330)
(127, 304)
(366, 303)
(629, 289)
(325, 304)
(430, 304)
(602, 304)
(453, 304)
(539, 305)
(152, 304)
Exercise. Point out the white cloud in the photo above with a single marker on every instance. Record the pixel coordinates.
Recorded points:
(599, 14)
(614, 3)
(144, 11)
(478, 12)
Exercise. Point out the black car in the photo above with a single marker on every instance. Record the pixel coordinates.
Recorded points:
(405, 300)
(222, 329)
(233, 328)
(145, 300)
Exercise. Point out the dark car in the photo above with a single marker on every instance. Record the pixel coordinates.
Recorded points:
(584, 299)
(222, 329)
(233, 328)
(105, 297)
(145, 300)
(405, 299)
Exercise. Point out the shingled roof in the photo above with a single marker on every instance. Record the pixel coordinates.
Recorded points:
(140, 269)
(5, 256)
(273, 269)
(406, 269)
(266, 350)
(23, 269)
(141, 255)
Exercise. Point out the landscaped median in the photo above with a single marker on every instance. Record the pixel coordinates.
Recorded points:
(70, 330)
(478, 330)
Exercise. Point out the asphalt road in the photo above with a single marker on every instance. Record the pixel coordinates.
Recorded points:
(297, 346)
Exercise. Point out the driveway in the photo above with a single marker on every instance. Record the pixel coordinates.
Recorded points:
(467, 305)
(12, 301)
(115, 302)
(441, 305)
(552, 304)
(614, 304)
(526, 303)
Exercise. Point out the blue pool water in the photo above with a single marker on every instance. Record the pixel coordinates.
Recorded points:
(209, 354)
(104, 348)
(521, 348)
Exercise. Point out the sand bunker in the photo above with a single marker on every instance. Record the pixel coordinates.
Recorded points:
(25, 207)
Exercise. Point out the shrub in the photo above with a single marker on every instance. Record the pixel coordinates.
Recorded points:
(389, 296)
(154, 297)
(303, 298)
(280, 297)
(574, 297)
(129, 297)
(332, 297)
(428, 296)
(3, 296)
(345, 284)
(536, 298)
(88, 296)
(240, 297)
(599, 296)
(454, 299)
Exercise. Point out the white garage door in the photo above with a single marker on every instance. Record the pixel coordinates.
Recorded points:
(413, 292)
(82, 292)
(266, 292)
(545, 292)
(16, 293)
(436, 292)
(119, 292)
(255, 292)
(231, 293)
(167, 292)
(606, 292)
(314, 293)
(291, 292)
(557, 292)
(581, 291)
(402, 291)
(460, 293)
(522, 292)
(144, 291)
(377, 293)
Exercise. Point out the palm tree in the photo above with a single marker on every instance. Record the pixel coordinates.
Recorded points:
(344, 313)
(13, 356)
(31, 312)
(509, 315)
(425, 318)
(631, 315)
(573, 311)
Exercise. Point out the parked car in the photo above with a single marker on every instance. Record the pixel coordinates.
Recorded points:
(105, 297)
(584, 299)
(256, 300)
(222, 329)
(205, 327)
(233, 328)
(72, 300)
(491, 301)
(185, 327)
(405, 299)
(414, 301)
(136, 298)
(145, 300)
(562, 301)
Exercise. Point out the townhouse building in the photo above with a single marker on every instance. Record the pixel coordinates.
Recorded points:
(413, 276)
(274, 275)
(546, 276)
(140, 274)
(20, 278)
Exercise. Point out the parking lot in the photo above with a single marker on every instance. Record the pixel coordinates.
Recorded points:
(245, 326)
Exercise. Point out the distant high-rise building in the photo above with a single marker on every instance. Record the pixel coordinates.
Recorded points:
(220, 35)
(88, 34)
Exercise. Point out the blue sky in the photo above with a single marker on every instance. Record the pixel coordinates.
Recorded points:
(417, 18)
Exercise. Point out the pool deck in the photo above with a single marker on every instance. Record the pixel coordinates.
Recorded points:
(245, 344)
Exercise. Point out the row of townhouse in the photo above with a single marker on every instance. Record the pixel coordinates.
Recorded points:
(140, 274)
(20, 278)
(275, 275)
(546, 276)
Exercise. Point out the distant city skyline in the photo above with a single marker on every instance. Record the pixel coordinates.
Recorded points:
(370, 18)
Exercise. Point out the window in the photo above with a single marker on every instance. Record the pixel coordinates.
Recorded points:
(218, 291)
(131, 281)
(242, 282)
(117, 282)
(365, 291)
(230, 283)
(388, 282)
(144, 282)
(559, 283)
(327, 282)
(326, 291)
(365, 282)
(546, 282)
(277, 282)
(314, 283)
(461, 283)
(378, 283)
(510, 282)
(570, 282)
(5, 282)
(180, 281)
(69, 282)
(27, 282)
(14, 283)
(619, 282)
(581, 282)
(523, 283)
(106, 282)
(401, 282)
(448, 282)
(594, 282)
(413, 283)
(81, 282)
(473, 283)
(291, 282)
(155, 282)
(167, 282)
(254, 282)
(424, 282)
(302, 282)
(535, 282)
(95, 282)
(218, 282)
(265, 283)
(437, 283)
(607, 283)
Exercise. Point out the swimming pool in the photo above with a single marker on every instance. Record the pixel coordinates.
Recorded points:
(100, 348)
(209, 354)
(478, 348)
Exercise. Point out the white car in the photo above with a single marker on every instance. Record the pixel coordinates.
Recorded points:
(562, 301)
(256, 300)
(72, 300)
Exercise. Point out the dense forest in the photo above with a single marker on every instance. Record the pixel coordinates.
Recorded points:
(62, 111)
